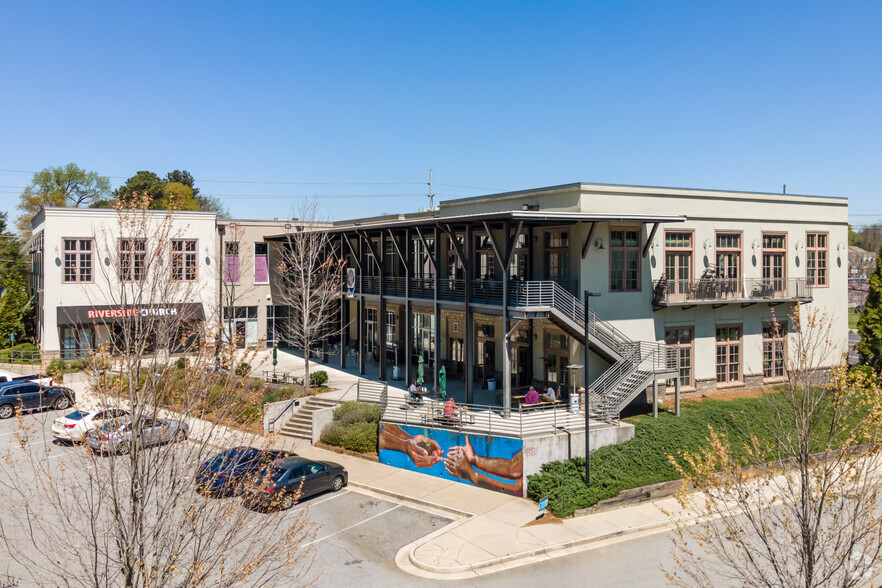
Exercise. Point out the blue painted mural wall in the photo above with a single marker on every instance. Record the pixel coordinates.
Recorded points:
(495, 463)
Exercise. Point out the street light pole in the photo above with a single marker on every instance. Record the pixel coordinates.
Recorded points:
(588, 296)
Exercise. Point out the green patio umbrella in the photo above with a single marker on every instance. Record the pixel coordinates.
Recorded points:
(420, 370)
(442, 381)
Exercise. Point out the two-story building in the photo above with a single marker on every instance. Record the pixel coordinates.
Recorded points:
(91, 268)
(699, 284)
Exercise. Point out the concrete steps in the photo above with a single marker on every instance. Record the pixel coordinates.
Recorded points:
(300, 425)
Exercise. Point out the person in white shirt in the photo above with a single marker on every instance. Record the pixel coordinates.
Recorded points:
(549, 391)
(413, 392)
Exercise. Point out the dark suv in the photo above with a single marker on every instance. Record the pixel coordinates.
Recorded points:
(30, 396)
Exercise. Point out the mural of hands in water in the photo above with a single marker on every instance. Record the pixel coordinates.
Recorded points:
(495, 463)
(422, 451)
(462, 462)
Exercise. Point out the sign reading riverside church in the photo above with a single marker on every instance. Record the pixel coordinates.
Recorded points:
(82, 315)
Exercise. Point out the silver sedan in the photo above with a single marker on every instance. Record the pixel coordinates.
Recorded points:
(119, 436)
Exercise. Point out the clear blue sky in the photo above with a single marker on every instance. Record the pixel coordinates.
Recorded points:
(363, 98)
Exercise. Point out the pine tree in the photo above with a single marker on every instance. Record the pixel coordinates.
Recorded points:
(11, 306)
(870, 323)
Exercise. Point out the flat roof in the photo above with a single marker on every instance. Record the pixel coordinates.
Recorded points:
(555, 217)
(635, 188)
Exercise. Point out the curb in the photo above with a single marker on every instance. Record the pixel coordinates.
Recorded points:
(503, 559)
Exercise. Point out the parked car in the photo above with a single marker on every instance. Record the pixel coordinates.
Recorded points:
(222, 474)
(118, 436)
(283, 484)
(31, 396)
(36, 378)
(74, 425)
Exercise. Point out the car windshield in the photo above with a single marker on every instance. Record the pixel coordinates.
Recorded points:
(231, 457)
(76, 415)
(110, 426)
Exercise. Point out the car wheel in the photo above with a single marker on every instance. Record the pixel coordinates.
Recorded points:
(337, 483)
(122, 449)
(6, 411)
(61, 403)
(288, 501)
(180, 436)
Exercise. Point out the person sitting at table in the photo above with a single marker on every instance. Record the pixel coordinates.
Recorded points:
(532, 396)
(549, 395)
(450, 410)
(413, 393)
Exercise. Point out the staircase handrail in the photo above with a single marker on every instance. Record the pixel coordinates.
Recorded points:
(550, 293)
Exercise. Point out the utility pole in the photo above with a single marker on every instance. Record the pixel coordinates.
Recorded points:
(431, 192)
(588, 296)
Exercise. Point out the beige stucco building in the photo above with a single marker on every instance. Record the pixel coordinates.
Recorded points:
(79, 289)
(714, 277)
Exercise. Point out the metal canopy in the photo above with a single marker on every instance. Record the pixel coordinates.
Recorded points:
(525, 216)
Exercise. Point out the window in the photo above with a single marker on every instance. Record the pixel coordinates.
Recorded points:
(231, 262)
(681, 339)
(678, 261)
(729, 255)
(261, 265)
(77, 260)
(774, 260)
(132, 259)
(816, 259)
(391, 327)
(557, 358)
(240, 325)
(624, 260)
(774, 334)
(557, 256)
(728, 354)
(486, 258)
(424, 337)
(519, 257)
(76, 342)
(183, 260)
(277, 324)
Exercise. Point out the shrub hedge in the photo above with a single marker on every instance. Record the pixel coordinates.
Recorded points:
(644, 459)
(354, 427)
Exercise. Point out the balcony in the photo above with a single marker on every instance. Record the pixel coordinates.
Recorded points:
(720, 291)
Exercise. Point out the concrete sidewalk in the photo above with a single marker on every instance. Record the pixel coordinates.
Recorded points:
(488, 533)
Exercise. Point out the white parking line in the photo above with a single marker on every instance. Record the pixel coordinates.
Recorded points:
(351, 526)
(326, 498)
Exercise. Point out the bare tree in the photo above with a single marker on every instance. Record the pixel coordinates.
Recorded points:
(232, 289)
(794, 500)
(132, 516)
(310, 282)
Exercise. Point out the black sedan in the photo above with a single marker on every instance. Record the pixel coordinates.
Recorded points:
(222, 474)
(18, 395)
(283, 484)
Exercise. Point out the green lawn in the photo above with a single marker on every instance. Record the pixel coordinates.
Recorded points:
(852, 318)
(644, 460)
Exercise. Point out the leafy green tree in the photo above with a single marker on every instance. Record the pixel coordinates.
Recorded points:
(11, 306)
(67, 185)
(182, 177)
(177, 186)
(143, 182)
(175, 194)
(870, 323)
(11, 257)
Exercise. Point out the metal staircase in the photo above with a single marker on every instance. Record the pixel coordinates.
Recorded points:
(634, 364)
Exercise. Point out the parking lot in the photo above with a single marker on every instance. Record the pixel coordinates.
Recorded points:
(356, 537)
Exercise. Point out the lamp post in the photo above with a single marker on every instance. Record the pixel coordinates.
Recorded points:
(588, 296)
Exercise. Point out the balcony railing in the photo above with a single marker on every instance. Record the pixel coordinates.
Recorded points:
(726, 290)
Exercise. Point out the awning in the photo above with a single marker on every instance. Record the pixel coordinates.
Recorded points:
(90, 315)
(527, 216)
